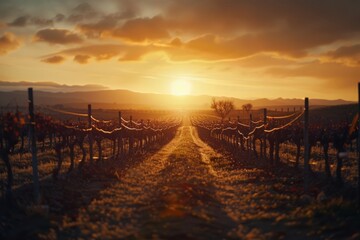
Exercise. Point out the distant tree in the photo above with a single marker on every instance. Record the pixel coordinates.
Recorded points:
(247, 107)
(222, 107)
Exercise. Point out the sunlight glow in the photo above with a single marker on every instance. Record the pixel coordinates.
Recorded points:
(180, 87)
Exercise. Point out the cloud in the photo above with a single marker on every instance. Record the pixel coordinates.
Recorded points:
(212, 48)
(83, 11)
(95, 30)
(204, 48)
(59, 17)
(82, 59)
(288, 27)
(348, 55)
(105, 52)
(8, 42)
(141, 29)
(26, 20)
(54, 59)
(334, 76)
(42, 21)
(265, 61)
(49, 86)
(57, 36)
(99, 52)
(19, 22)
(106, 24)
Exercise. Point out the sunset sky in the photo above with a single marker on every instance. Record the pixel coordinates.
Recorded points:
(245, 49)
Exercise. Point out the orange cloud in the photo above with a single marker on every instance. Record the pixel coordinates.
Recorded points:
(96, 30)
(348, 55)
(212, 48)
(82, 59)
(54, 59)
(106, 52)
(8, 42)
(287, 27)
(335, 76)
(57, 36)
(141, 29)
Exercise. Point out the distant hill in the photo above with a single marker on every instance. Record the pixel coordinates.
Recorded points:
(124, 99)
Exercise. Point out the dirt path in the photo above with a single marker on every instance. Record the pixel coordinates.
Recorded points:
(184, 191)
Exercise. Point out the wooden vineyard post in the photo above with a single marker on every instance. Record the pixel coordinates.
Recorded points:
(120, 142)
(131, 140)
(358, 147)
(306, 146)
(264, 139)
(238, 141)
(90, 135)
(33, 147)
(249, 140)
(120, 121)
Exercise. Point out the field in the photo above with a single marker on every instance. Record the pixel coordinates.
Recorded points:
(179, 183)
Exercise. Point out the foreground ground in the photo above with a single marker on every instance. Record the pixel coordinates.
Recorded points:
(188, 191)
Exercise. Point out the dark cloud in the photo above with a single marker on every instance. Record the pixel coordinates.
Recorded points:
(141, 29)
(23, 21)
(59, 17)
(8, 42)
(129, 6)
(290, 27)
(106, 25)
(233, 28)
(54, 59)
(57, 36)
(81, 12)
(96, 30)
(348, 55)
(239, 28)
(42, 21)
(19, 22)
(84, 8)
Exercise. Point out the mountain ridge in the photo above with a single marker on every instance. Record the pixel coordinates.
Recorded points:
(129, 99)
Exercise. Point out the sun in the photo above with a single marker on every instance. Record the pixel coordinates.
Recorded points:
(180, 87)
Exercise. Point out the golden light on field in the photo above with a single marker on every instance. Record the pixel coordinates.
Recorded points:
(180, 87)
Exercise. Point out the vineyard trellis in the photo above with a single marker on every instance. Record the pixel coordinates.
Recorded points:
(275, 130)
(127, 136)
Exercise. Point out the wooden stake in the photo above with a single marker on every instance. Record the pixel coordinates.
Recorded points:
(358, 147)
(33, 148)
(120, 121)
(90, 135)
(265, 121)
(249, 140)
(131, 139)
(306, 146)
